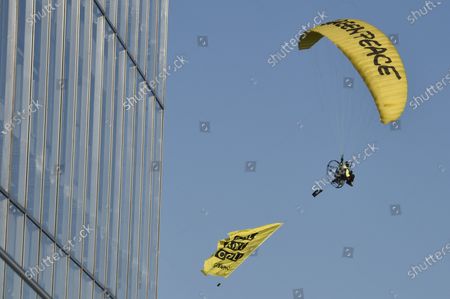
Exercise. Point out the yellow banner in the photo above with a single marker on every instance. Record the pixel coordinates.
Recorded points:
(234, 250)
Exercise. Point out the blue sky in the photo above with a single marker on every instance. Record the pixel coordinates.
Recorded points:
(284, 118)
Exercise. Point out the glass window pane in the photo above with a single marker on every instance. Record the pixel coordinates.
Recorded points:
(162, 45)
(4, 39)
(14, 248)
(136, 202)
(105, 157)
(61, 275)
(86, 287)
(122, 18)
(155, 212)
(111, 11)
(12, 284)
(65, 166)
(82, 116)
(116, 179)
(3, 213)
(5, 153)
(28, 292)
(152, 52)
(45, 264)
(74, 279)
(37, 130)
(3, 216)
(23, 109)
(133, 20)
(30, 260)
(53, 108)
(127, 192)
(2, 276)
(14, 243)
(93, 138)
(142, 34)
(147, 197)
(98, 292)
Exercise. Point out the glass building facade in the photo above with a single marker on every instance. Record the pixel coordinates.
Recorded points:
(80, 171)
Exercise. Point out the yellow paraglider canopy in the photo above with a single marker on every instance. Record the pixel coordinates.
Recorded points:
(374, 57)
